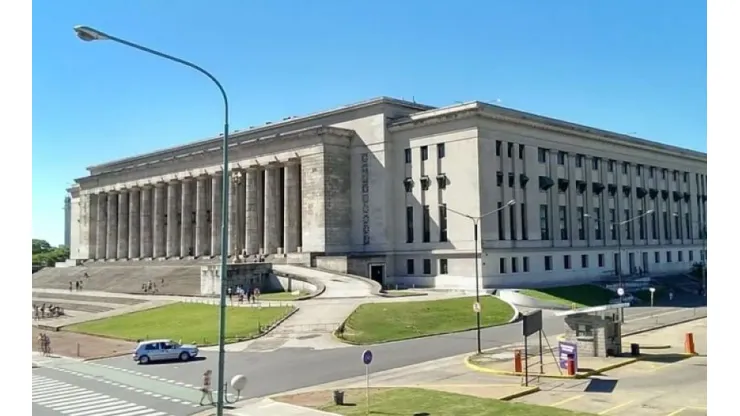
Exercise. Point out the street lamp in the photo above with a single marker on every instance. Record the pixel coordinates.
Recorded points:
(89, 34)
(475, 221)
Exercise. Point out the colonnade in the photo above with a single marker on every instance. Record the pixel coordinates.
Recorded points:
(182, 217)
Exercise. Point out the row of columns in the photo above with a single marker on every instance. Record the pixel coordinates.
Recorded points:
(182, 218)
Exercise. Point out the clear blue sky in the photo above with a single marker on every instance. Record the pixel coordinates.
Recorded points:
(632, 66)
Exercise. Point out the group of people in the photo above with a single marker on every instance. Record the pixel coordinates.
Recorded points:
(47, 311)
(76, 286)
(44, 344)
(151, 287)
(252, 293)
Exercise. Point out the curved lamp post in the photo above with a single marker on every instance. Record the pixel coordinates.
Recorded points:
(89, 34)
(475, 220)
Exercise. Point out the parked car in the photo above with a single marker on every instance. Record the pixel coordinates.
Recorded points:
(163, 350)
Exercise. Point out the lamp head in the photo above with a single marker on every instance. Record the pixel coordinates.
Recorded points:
(89, 34)
(512, 202)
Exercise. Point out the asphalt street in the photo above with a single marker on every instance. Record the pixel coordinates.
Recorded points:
(290, 368)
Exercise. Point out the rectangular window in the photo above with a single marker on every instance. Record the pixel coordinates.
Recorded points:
(561, 158)
(611, 165)
(680, 256)
(427, 266)
(409, 224)
(566, 262)
(579, 161)
(510, 150)
(654, 225)
(663, 173)
(597, 223)
(499, 178)
(652, 172)
(498, 148)
(613, 222)
(443, 222)
(657, 257)
(544, 223)
(443, 266)
(601, 260)
(410, 266)
(514, 265)
(541, 155)
(685, 177)
(563, 218)
(424, 153)
(625, 168)
(691, 255)
(677, 225)
(500, 218)
(548, 263)
(595, 163)
(512, 221)
(407, 155)
(675, 175)
(425, 236)
(440, 150)
(689, 230)
(639, 170)
(617, 265)
(627, 226)
(641, 224)
(521, 152)
(666, 226)
(525, 264)
(668, 256)
(502, 265)
(584, 261)
(523, 219)
(581, 223)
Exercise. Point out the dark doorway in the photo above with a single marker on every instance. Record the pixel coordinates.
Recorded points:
(377, 272)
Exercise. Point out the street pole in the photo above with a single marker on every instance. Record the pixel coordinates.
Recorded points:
(89, 34)
(704, 266)
(477, 284)
(476, 241)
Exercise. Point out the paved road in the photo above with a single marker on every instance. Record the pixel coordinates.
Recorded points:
(64, 391)
(292, 368)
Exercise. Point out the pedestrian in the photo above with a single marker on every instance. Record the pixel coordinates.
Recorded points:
(70, 286)
(206, 391)
(670, 295)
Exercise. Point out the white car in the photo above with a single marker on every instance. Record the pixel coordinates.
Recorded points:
(163, 350)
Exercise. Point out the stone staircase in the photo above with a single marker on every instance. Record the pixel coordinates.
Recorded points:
(179, 279)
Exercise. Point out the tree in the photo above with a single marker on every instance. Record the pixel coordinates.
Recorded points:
(44, 254)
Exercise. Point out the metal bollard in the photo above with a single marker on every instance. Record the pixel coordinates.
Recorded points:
(518, 361)
(78, 350)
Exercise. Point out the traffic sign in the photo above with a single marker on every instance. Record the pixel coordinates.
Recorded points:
(367, 357)
(476, 307)
(620, 291)
(652, 290)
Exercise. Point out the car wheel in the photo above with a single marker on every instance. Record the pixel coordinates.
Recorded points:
(184, 356)
(144, 359)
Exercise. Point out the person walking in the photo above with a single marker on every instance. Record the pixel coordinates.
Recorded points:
(206, 391)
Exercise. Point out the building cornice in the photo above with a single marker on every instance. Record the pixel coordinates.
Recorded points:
(322, 132)
(265, 130)
(520, 118)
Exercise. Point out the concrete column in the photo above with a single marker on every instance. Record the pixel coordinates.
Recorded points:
(111, 235)
(101, 227)
(216, 192)
(201, 217)
(292, 201)
(146, 238)
(134, 221)
(272, 207)
(160, 221)
(187, 218)
(233, 225)
(122, 225)
(260, 207)
(253, 240)
(173, 219)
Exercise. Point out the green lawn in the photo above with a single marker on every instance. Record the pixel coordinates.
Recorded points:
(392, 321)
(581, 295)
(411, 401)
(189, 322)
(286, 296)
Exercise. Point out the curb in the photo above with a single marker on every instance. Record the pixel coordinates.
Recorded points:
(527, 392)
(587, 374)
(642, 331)
(384, 294)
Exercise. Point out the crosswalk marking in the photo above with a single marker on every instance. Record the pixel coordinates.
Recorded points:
(71, 400)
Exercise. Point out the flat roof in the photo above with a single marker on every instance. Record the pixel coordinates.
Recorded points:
(592, 309)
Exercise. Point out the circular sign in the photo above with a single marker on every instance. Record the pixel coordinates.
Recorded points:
(476, 307)
(367, 357)
(620, 292)
(652, 290)
(238, 382)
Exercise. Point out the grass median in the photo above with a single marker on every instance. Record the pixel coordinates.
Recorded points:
(189, 322)
(580, 295)
(414, 401)
(373, 323)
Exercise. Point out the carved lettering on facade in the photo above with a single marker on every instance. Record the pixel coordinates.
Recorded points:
(365, 200)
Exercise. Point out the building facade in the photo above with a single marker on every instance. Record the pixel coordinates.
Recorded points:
(386, 181)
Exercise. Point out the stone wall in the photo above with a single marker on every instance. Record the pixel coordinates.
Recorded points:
(245, 274)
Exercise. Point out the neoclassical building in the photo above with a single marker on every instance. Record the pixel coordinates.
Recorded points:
(375, 188)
